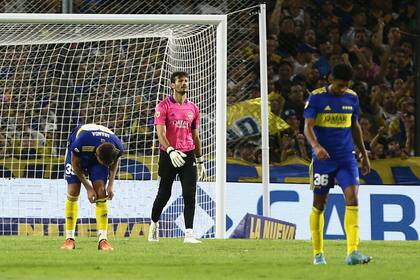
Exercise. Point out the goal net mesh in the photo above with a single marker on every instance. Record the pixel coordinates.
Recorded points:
(55, 77)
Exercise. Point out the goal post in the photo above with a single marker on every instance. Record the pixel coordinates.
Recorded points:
(54, 44)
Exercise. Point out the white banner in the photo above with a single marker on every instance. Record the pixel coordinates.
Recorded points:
(385, 212)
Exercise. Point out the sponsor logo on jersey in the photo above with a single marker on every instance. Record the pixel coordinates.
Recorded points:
(180, 123)
(327, 108)
(349, 108)
(334, 120)
(157, 114)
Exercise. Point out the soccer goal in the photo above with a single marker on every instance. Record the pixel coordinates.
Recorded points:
(58, 71)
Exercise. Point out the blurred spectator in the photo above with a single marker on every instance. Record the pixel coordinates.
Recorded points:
(295, 102)
(246, 151)
(303, 60)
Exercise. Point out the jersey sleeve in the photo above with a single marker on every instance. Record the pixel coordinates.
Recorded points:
(160, 114)
(78, 143)
(196, 121)
(356, 110)
(310, 111)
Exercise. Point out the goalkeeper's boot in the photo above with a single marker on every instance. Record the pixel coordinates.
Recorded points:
(104, 245)
(319, 259)
(69, 244)
(189, 237)
(154, 232)
(357, 258)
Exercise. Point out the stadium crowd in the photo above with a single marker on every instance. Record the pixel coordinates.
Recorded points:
(43, 102)
(307, 38)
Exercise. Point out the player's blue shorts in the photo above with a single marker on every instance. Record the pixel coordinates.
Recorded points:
(325, 173)
(93, 169)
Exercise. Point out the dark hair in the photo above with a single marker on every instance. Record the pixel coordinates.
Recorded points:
(342, 72)
(108, 153)
(178, 74)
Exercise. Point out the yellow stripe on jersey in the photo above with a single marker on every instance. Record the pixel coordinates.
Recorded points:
(334, 120)
(88, 148)
(319, 90)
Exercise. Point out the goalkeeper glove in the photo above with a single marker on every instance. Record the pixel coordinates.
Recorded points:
(176, 156)
(201, 169)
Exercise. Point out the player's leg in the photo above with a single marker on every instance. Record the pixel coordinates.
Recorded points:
(98, 174)
(167, 173)
(71, 206)
(188, 177)
(321, 180)
(348, 179)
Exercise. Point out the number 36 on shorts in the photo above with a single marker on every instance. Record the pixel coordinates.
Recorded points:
(69, 169)
(320, 180)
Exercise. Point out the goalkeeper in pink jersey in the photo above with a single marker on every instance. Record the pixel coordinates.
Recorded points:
(177, 122)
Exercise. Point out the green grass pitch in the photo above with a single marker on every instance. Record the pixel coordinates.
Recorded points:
(41, 258)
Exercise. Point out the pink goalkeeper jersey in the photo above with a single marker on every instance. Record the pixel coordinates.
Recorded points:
(179, 120)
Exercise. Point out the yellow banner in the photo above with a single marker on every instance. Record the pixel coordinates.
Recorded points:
(244, 120)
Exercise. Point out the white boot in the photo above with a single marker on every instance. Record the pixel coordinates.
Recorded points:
(189, 237)
(154, 232)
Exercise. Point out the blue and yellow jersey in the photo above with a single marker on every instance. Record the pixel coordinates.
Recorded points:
(85, 139)
(334, 115)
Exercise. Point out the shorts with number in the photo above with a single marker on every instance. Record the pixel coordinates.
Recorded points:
(325, 173)
(94, 171)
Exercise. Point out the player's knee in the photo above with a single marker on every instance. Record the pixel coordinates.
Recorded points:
(352, 201)
(320, 202)
(319, 205)
(73, 190)
(163, 197)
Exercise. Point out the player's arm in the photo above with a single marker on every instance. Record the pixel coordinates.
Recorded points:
(308, 130)
(163, 140)
(358, 140)
(112, 173)
(77, 168)
(201, 170)
(175, 155)
(197, 143)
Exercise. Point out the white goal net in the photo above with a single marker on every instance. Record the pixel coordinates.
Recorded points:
(55, 77)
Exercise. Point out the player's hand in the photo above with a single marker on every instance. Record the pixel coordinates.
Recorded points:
(321, 153)
(110, 192)
(176, 156)
(201, 169)
(365, 165)
(91, 195)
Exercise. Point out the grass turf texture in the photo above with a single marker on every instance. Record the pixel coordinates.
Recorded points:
(41, 258)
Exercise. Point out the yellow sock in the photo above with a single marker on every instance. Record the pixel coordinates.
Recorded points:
(102, 218)
(317, 230)
(351, 225)
(72, 207)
